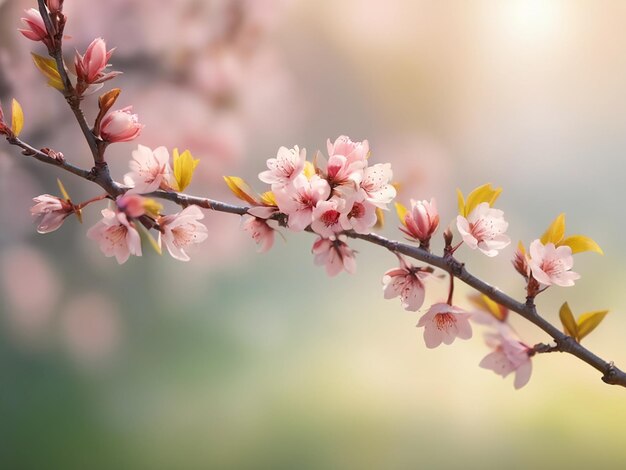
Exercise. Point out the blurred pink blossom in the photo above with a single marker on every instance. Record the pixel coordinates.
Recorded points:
(116, 236)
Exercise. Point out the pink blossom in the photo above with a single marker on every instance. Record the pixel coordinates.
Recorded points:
(179, 231)
(326, 216)
(376, 184)
(90, 67)
(551, 265)
(298, 200)
(443, 323)
(120, 126)
(36, 27)
(509, 355)
(288, 164)
(335, 255)
(406, 282)
(132, 205)
(484, 229)
(359, 215)
(52, 211)
(353, 151)
(116, 236)
(422, 220)
(260, 231)
(339, 171)
(150, 170)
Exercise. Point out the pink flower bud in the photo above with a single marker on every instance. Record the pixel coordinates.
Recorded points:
(120, 126)
(52, 212)
(90, 67)
(36, 27)
(422, 221)
(131, 204)
(54, 5)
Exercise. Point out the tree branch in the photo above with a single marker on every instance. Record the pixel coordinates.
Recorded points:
(563, 343)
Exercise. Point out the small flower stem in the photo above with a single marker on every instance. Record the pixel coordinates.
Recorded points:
(94, 199)
(450, 290)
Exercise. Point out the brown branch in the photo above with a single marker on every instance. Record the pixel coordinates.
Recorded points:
(563, 343)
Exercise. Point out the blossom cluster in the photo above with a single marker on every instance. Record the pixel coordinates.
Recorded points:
(327, 196)
(336, 196)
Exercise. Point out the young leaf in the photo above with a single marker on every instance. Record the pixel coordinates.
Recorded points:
(241, 189)
(268, 199)
(380, 218)
(184, 167)
(309, 170)
(555, 232)
(567, 319)
(401, 210)
(17, 118)
(145, 234)
(580, 243)
(484, 193)
(461, 201)
(48, 67)
(587, 322)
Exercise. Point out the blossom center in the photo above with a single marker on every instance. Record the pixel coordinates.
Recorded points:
(444, 321)
(330, 218)
(357, 211)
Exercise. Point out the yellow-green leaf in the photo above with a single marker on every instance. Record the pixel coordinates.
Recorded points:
(241, 189)
(520, 248)
(48, 67)
(152, 207)
(484, 193)
(567, 319)
(17, 118)
(580, 243)
(269, 199)
(148, 236)
(587, 322)
(184, 167)
(380, 218)
(461, 201)
(555, 232)
(64, 193)
(401, 210)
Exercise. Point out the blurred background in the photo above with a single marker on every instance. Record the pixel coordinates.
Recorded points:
(240, 360)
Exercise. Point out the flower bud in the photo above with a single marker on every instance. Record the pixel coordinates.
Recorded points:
(54, 5)
(36, 27)
(90, 67)
(520, 261)
(422, 220)
(120, 126)
(52, 212)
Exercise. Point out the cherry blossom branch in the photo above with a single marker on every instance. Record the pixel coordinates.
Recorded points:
(455, 268)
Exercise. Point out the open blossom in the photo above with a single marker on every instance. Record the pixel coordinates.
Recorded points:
(551, 265)
(260, 232)
(150, 170)
(484, 229)
(120, 126)
(116, 235)
(288, 164)
(298, 200)
(353, 151)
(52, 212)
(178, 231)
(326, 216)
(335, 255)
(406, 282)
(359, 215)
(36, 28)
(422, 220)
(90, 68)
(443, 323)
(376, 184)
(509, 355)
